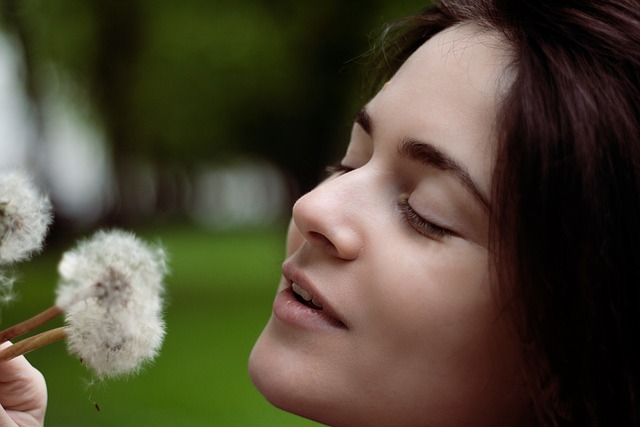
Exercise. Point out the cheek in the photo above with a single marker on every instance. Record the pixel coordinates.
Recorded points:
(436, 316)
(431, 290)
(435, 339)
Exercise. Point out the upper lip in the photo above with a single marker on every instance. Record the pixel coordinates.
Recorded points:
(293, 274)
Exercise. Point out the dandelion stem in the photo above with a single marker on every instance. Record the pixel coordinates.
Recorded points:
(33, 343)
(29, 324)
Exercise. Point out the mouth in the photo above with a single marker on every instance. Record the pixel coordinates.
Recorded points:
(305, 297)
(301, 303)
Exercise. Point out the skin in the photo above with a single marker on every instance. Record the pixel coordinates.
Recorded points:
(23, 394)
(421, 340)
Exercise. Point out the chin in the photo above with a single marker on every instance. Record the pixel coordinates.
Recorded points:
(268, 374)
(285, 388)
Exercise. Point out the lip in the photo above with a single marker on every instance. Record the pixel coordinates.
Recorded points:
(289, 310)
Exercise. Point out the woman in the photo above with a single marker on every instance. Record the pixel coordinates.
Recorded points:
(474, 259)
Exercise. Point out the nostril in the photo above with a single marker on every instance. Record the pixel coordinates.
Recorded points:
(321, 239)
(340, 246)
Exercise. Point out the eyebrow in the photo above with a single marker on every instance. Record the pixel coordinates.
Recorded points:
(428, 155)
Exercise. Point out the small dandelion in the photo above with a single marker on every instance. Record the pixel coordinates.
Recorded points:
(110, 290)
(25, 215)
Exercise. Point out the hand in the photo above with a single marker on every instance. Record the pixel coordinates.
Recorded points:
(23, 394)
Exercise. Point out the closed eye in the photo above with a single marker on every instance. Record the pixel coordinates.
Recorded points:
(421, 225)
(338, 169)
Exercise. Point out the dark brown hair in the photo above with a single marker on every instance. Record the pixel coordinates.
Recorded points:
(565, 214)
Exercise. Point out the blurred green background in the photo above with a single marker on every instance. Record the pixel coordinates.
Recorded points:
(194, 123)
(218, 300)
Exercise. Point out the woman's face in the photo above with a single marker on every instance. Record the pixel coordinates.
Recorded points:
(400, 327)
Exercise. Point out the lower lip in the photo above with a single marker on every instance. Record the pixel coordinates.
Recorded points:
(292, 312)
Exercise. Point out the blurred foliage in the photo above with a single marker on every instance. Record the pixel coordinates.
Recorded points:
(178, 82)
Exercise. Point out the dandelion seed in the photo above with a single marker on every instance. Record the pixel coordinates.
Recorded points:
(25, 215)
(6, 287)
(90, 385)
(111, 291)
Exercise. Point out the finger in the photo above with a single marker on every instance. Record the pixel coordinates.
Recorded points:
(5, 419)
(14, 369)
(23, 393)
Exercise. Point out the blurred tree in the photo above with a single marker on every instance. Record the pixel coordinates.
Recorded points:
(13, 20)
(175, 84)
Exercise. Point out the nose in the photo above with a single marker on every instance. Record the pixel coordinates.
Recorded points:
(325, 217)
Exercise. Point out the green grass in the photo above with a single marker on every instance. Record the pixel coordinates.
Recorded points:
(219, 296)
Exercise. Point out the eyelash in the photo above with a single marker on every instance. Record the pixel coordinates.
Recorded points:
(338, 169)
(421, 225)
(410, 216)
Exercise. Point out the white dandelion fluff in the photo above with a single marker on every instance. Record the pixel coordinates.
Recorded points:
(25, 215)
(111, 292)
(6, 287)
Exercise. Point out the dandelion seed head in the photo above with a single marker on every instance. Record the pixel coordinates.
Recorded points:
(111, 290)
(113, 345)
(105, 263)
(25, 216)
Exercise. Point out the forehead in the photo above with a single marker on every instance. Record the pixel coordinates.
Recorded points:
(447, 93)
(471, 57)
